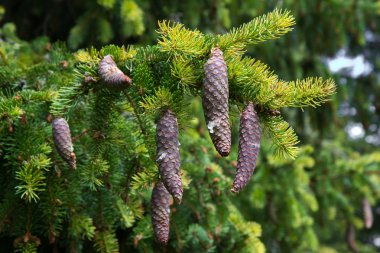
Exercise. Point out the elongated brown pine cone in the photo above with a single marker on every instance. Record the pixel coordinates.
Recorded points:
(160, 212)
(167, 154)
(62, 141)
(351, 238)
(112, 76)
(367, 213)
(249, 147)
(215, 101)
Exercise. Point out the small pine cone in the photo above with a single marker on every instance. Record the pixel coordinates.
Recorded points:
(367, 213)
(351, 238)
(215, 101)
(112, 76)
(249, 147)
(62, 141)
(160, 212)
(167, 154)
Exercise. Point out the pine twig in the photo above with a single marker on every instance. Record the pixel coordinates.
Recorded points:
(75, 138)
(136, 113)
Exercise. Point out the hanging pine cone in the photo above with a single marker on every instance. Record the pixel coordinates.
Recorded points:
(167, 154)
(367, 213)
(351, 238)
(249, 147)
(112, 76)
(160, 212)
(62, 141)
(215, 102)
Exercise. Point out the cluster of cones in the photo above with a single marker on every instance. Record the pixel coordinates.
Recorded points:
(114, 79)
(215, 105)
(215, 96)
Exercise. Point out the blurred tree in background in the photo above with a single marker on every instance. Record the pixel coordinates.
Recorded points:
(311, 204)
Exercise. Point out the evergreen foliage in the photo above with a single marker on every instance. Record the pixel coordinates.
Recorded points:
(291, 205)
(112, 133)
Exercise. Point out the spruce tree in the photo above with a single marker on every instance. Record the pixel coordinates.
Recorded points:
(104, 203)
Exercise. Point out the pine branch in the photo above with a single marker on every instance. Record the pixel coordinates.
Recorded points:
(143, 77)
(187, 74)
(77, 137)
(129, 212)
(52, 206)
(27, 247)
(37, 96)
(283, 136)
(119, 54)
(251, 80)
(265, 27)
(162, 99)
(91, 174)
(8, 75)
(301, 93)
(69, 95)
(10, 107)
(144, 179)
(175, 39)
(106, 242)
(81, 226)
(135, 110)
(149, 54)
(251, 230)
(32, 177)
(102, 109)
(143, 229)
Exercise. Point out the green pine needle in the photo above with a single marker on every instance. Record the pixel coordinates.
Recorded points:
(106, 242)
(307, 92)
(81, 226)
(176, 39)
(251, 80)
(144, 179)
(32, 177)
(283, 136)
(92, 174)
(185, 72)
(265, 27)
(162, 99)
(69, 95)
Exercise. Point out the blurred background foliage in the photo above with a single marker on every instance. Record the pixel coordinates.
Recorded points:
(312, 204)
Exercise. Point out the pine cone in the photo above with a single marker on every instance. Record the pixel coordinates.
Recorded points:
(62, 141)
(351, 238)
(160, 212)
(215, 102)
(167, 154)
(367, 213)
(112, 76)
(249, 147)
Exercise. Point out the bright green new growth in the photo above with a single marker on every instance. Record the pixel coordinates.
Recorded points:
(266, 27)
